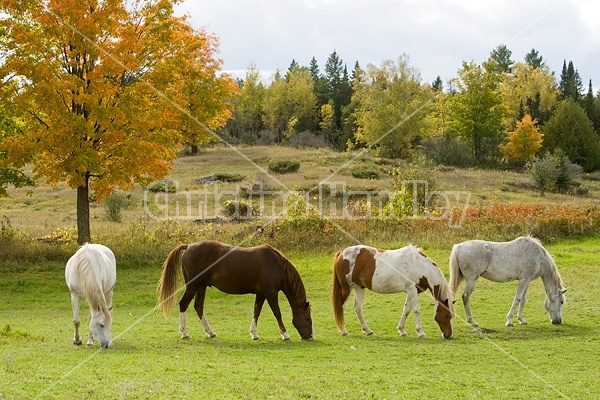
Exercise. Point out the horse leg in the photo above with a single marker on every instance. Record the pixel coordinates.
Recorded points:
(274, 304)
(199, 307)
(412, 302)
(258, 303)
(466, 297)
(90, 341)
(76, 319)
(359, 296)
(346, 289)
(414, 296)
(520, 301)
(183, 306)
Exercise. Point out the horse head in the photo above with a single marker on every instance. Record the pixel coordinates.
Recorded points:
(553, 304)
(303, 322)
(443, 317)
(100, 325)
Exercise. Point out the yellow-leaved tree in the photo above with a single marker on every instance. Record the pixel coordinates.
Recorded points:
(524, 141)
(106, 90)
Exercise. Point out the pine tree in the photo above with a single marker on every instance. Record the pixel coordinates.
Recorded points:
(437, 84)
(534, 59)
(589, 105)
(501, 56)
(570, 85)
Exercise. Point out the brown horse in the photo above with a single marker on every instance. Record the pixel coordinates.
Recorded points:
(261, 270)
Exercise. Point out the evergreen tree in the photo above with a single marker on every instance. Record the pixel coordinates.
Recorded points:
(437, 84)
(333, 76)
(501, 56)
(571, 130)
(570, 85)
(589, 105)
(534, 59)
(319, 82)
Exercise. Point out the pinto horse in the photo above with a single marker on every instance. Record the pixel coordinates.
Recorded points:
(390, 271)
(523, 259)
(91, 274)
(260, 270)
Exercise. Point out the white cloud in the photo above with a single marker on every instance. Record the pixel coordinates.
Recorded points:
(437, 34)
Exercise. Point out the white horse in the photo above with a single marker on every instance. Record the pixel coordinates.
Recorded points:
(91, 274)
(523, 259)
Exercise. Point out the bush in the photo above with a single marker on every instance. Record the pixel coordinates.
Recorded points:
(237, 209)
(114, 204)
(363, 171)
(553, 172)
(307, 139)
(453, 151)
(163, 186)
(229, 177)
(413, 186)
(283, 166)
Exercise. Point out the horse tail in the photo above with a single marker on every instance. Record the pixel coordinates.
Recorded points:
(168, 281)
(336, 296)
(455, 274)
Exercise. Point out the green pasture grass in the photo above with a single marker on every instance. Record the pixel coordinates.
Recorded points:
(150, 361)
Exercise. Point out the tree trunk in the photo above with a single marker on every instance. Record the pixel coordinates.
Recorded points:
(83, 213)
(194, 149)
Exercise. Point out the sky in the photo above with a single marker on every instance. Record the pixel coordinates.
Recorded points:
(437, 35)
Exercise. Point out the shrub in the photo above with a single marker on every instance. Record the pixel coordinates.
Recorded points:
(413, 187)
(114, 204)
(237, 209)
(283, 166)
(363, 171)
(229, 177)
(163, 186)
(307, 139)
(553, 172)
(453, 151)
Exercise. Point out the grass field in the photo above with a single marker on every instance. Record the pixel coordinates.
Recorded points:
(150, 361)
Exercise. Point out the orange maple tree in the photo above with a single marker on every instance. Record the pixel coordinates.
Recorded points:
(524, 141)
(106, 91)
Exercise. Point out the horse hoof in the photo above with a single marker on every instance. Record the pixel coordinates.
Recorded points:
(255, 337)
(423, 336)
(186, 336)
(345, 334)
(370, 333)
(77, 342)
(90, 344)
(509, 324)
(403, 334)
(212, 335)
(523, 322)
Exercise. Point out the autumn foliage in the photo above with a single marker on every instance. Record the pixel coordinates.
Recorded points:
(106, 90)
(524, 141)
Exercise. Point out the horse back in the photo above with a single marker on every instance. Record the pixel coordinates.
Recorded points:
(234, 270)
(521, 258)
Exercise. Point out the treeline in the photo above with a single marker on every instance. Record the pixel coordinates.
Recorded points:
(496, 112)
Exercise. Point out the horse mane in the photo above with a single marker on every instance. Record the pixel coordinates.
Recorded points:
(88, 272)
(294, 278)
(554, 274)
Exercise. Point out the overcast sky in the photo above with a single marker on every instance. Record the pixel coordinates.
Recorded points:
(437, 35)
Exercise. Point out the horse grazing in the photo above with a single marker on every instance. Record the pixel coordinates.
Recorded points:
(523, 259)
(91, 274)
(390, 271)
(260, 270)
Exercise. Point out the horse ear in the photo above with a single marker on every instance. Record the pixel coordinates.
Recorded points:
(307, 305)
(563, 291)
(454, 301)
(110, 307)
